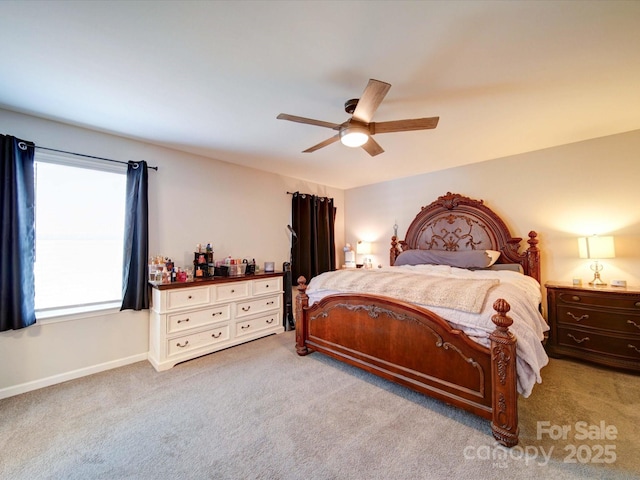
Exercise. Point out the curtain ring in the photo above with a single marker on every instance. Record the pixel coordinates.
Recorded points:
(133, 164)
(22, 145)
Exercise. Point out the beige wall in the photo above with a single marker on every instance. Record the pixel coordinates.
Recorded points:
(562, 193)
(192, 200)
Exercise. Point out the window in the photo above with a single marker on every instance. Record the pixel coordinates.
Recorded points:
(80, 208)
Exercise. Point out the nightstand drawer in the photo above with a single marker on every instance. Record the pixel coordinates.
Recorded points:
(613, 322)
(589, 341)
(604, 299)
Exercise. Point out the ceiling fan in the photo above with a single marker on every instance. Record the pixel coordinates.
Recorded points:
(358, 130)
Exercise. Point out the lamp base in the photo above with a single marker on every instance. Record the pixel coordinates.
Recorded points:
(597, 281)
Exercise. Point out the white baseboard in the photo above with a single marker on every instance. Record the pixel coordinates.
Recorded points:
(64, 377)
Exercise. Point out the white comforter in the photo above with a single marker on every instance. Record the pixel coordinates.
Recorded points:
(523, 294)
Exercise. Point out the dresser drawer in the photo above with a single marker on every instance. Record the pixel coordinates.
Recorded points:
(589, 341)
(607, 299)
(267, 286)
(231, 291)
(185, 298)
(613, 322)
(250, 307)
(182, 321)
(256, 324)
(177, 346)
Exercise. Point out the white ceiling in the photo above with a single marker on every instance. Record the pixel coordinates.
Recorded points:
(505, 77)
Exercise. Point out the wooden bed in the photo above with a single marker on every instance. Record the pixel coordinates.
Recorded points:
(413, 346)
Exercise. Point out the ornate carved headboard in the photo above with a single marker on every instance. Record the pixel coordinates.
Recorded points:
(455, 223)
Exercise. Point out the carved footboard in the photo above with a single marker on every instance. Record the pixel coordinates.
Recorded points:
(414, 347)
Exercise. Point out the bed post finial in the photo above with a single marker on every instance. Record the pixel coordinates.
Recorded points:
(533, 256)
(504, 423)
(302, 302)
(393, 251)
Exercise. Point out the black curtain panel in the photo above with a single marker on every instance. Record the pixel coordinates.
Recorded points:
(135, 289)
(313, 220)
(17, 234)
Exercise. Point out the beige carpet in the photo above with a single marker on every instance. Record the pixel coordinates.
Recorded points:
(258, 411)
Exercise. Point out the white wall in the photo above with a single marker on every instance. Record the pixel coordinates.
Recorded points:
(562, 193)
(192, 200)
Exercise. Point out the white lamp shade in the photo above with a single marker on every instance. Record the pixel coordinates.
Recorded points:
(354, 136)
(363, 248)
(596, 247)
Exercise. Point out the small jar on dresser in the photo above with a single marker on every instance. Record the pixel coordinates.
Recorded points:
(596, 324)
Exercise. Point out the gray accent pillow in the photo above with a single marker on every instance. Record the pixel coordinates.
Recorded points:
(464, 259)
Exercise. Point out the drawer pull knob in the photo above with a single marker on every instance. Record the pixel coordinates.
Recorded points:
(233, 291)
(182, 346)
(631, 322)
(267, 286)
(634, 347)
(216, 313)
(637, 304)
(246, 309)
(216, 336)
(575, 298)
(577, 319)
(185, 320)
(243, 327)
(190, 297)
(576, 340)
(270, 303)
(270, 321)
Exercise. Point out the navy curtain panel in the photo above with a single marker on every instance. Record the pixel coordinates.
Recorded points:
(313, 220)
(135, 290)
(17, 236)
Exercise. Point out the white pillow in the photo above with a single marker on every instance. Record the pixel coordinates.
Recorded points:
(493, 256)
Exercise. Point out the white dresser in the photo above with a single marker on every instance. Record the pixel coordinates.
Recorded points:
(188, 320)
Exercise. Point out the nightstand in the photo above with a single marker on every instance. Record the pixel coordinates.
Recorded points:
(597, 324)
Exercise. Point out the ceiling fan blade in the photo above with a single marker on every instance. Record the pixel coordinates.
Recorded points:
(370, 100)
(403, 125)
(309, 121)
(372, 147)
(328, 141)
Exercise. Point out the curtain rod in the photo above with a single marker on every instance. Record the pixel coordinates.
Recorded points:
(89, 156)
(309, 195)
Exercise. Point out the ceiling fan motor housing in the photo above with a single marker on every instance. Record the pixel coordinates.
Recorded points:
(350, 105)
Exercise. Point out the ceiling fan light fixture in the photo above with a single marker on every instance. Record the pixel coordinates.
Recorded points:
(358, 131)
(354, 136)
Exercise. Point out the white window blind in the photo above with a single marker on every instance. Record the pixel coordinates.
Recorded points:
(80, 208)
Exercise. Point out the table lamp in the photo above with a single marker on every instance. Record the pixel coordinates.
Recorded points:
(596, 248)
(364, 248)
